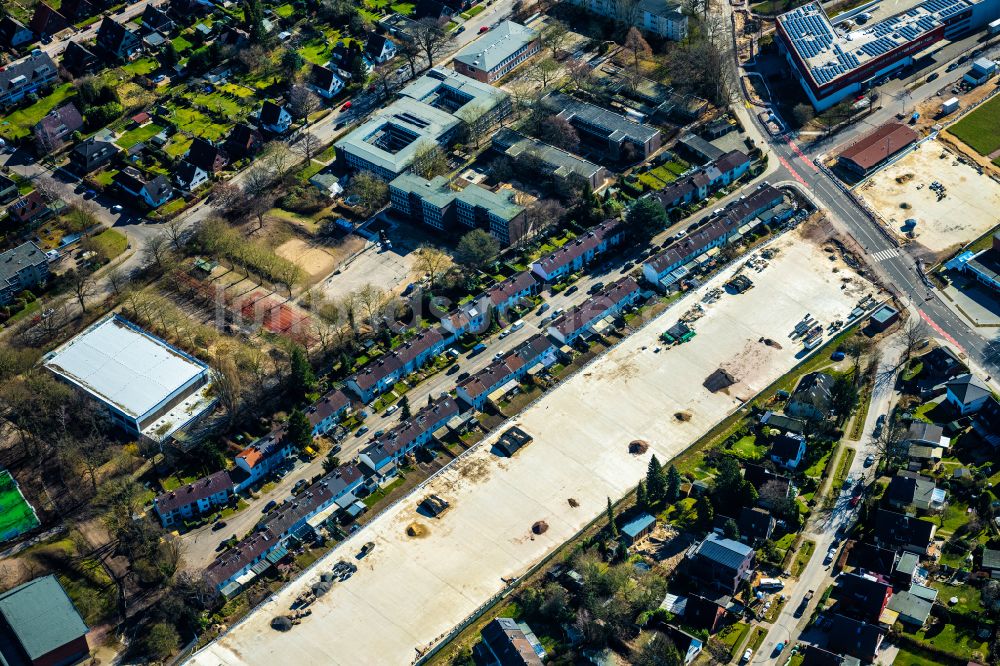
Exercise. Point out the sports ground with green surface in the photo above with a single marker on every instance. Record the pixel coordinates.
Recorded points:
(16, 515)
(978, 130)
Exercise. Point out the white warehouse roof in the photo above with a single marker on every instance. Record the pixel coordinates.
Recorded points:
(122, 365)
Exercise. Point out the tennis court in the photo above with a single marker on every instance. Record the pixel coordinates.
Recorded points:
(16, 515)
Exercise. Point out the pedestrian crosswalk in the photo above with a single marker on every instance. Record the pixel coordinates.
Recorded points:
(883, 255)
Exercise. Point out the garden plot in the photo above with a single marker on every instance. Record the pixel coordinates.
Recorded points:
(410, 591)
(903, 191)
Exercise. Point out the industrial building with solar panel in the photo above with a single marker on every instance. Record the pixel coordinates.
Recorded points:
(835, 60)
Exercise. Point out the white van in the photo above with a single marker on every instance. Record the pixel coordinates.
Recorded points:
(517, 325)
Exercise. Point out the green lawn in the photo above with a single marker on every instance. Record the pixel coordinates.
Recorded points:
(284, 11)
(748, 449)
(405, 8)
(803, 556)
(954, 516)
(911, 657)
(815, 470)
(843, 467)
(138, 135)
(969, 598)
(142, 66)
(109, 243)
(181, 44)
(199, 124)
(732, 636)
(105, 177)
(220, 104)
(240, 91)
(978, 130)
(960, 643)
(18, 124)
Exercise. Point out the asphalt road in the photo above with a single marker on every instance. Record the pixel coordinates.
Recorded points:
(56, 46)
(827, 526)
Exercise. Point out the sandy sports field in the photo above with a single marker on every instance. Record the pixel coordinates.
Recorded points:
(967, 210)
(410, 591)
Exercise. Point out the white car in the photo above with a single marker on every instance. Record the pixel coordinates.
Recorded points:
(391, 409)
(117, 208)
(747, 656)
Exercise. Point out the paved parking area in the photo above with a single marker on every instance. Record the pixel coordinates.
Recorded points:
(410, 591)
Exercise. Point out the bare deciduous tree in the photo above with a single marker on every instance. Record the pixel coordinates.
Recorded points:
(915, 335)
(432, 262)
(82, 284)
(370, 300)
(308, 145)
(302, 101)
(554, 35)
(431, 38)
(157, 250)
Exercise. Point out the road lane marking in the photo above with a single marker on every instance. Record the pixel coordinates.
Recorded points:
(883, 255)
(795, 174)
(800, 154)
(940, 331)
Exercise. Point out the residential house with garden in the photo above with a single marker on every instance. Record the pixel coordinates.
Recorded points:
(194, 499)
(580, 320)
(154, 193)
(580, 251)
(116, 41)
(32, 74)
(24, 267)
(91, 154)
(511, 367)
(274, 118)
(380, 459)
(967, 393)
(719, 564)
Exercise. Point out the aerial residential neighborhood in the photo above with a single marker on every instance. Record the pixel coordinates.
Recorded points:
(500, 332)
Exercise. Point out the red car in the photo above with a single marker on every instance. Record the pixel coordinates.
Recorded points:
(855, 500)
(346, 106)
(485, 28)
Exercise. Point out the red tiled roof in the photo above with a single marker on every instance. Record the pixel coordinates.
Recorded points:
(879, 144)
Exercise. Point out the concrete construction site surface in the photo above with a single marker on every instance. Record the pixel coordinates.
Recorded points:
(410, 591)
(967, 211)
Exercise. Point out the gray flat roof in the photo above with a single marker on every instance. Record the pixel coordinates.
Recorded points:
(497, 45)
(122, 365)
(419, 121)
(426, 110)
(14, 260)
(559, 161)
(616, 125)
(42, 616)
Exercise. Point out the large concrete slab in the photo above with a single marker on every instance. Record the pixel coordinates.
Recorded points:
(903, 190)
(410, 591)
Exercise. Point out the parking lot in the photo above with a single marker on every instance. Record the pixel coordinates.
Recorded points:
(905, 190)
(563, 477)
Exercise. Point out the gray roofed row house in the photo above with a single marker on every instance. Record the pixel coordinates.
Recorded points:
(23, 267)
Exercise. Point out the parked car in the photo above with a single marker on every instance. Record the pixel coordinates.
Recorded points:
(572, 290)
(542, 308)
(462, 376)
(870, 460)
(517, 325)
(270, 505)
(596, 287)
(221, 524)
(345, 106)
(932, 77)
(498, 355)
(747, 656)
(378, 433)
(628, 266)
(367, 548)
(391, 409)
(452, 370)
(504, 333)
(361, 431)
(485, 28)
(477, 349)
